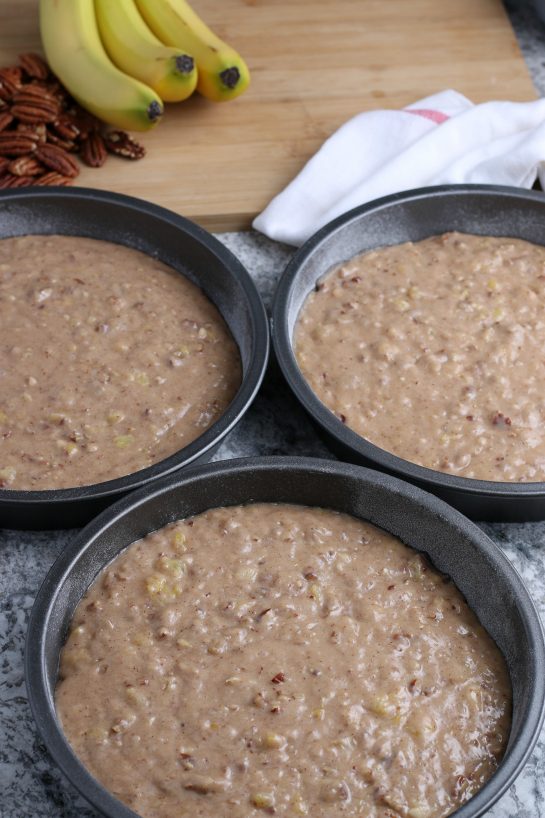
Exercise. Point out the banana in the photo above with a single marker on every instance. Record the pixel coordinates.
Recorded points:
(135, 50)
(76, 55)
(223, 74)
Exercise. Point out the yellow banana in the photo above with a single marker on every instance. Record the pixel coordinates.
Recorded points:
(223, 74)
(76, 55)
(137, 51)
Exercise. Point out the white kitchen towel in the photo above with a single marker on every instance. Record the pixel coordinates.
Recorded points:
(442, 139)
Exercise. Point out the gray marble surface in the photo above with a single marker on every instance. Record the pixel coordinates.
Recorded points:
(30, 784)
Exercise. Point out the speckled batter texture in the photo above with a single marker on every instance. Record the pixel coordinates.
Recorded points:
(276, 659)
(109, 362)
(435, 351)
(30, 782)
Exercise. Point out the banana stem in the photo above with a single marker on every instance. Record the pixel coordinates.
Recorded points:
(185, 64)
(230, 77)
(154, 111)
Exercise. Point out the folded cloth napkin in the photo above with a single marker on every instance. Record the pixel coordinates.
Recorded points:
(442, 139)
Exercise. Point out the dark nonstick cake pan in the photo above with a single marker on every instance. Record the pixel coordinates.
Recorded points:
(454, 545)
(187, 248)
(409, 216)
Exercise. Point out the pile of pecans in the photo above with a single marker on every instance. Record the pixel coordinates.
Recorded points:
(42, 127)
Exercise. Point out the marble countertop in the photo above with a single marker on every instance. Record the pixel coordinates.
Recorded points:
(30, 784)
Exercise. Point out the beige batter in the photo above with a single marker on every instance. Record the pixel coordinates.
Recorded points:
(109, 362)
(281, 660)
(435, 351)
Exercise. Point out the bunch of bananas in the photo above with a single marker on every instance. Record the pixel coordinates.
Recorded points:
(121, 59)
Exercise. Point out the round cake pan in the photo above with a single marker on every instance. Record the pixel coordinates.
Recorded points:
(182, 245)
(454, 544)
(409, 216)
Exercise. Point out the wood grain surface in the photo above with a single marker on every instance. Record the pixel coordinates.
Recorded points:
(314, 64)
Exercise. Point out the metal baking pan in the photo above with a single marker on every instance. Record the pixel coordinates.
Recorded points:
(187, 248)
(454, 545)
(409, 216)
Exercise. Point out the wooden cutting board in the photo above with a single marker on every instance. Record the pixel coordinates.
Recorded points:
(314, 64)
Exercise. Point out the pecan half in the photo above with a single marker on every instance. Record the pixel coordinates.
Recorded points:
(6, 91)
(33, 91)
(84, 121)
(34, 109)
(37, 132)
(4, 162)
(9, 180)
(33, 114)
(65, 127)
(65, 144)
(121, 144)
(13, 143)
(34, 66)
(93, 150)
(5, 119)
(25, 166)
(50, 179)
(57, 159)
(10, 82)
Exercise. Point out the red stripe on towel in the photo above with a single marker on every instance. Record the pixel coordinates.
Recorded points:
(428, 113)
